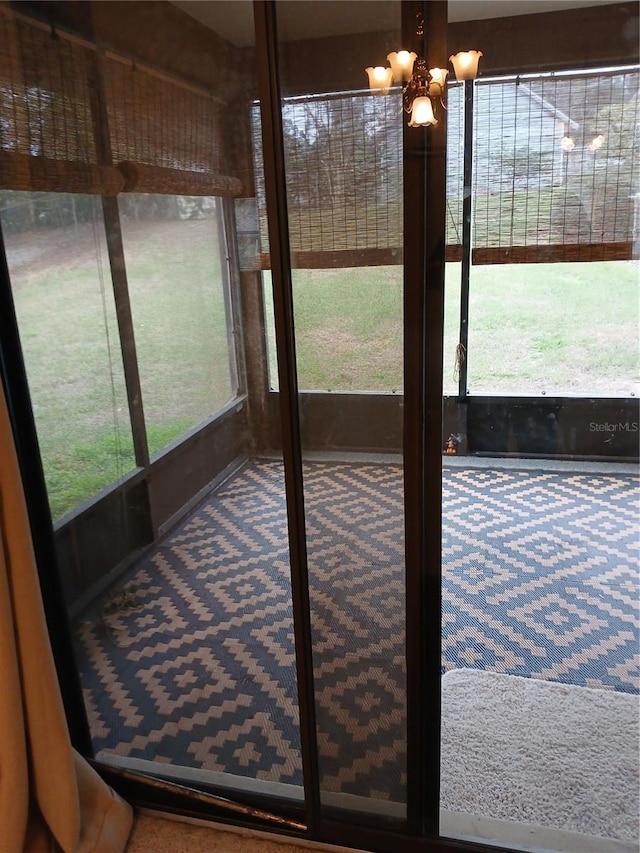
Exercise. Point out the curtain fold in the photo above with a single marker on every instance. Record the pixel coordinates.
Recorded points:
(50, 798)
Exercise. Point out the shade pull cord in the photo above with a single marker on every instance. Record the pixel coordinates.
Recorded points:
(110, 356)
(461, 355)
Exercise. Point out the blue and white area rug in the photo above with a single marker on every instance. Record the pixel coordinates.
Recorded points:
(190, 661)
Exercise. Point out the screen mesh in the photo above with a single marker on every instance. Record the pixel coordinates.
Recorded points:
(53, 128)
(533, 198)
(556, 165)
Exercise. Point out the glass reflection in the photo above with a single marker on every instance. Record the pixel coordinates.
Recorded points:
(540, 529)
(344, 193)
(57, 257)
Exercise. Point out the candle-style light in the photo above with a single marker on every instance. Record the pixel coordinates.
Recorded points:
(421, 88)
(401, 63)
(380, 79)
(439, 76)
(465, 64)
(422, 112)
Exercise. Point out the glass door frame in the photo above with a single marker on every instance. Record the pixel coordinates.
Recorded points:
(424, 239)
(280, 259)
(424, 243)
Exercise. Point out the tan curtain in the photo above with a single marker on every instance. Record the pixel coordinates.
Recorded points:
(50, 798)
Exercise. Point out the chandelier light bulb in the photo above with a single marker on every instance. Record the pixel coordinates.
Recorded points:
(422, 112)
(438, 75)
(465, 64)
(401, 65)
(380, 79)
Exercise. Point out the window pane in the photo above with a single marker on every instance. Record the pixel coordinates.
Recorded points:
(556, 161)
(451, 329)
(342, 152)
(348, 329)
(554, 329)
(61, 286)
(178, 288)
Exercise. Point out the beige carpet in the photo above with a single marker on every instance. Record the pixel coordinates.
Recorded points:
(541, 753)
(152, 834)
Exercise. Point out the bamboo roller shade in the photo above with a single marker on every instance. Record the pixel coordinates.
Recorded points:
(140, 178)
(167, 136)
(45, 93)
(532, 201)
(343, 158)
(529, 191)
(21, 172)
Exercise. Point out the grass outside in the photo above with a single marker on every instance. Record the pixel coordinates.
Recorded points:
(554, 329)
(177, 300)
(66, 314)
(536, 329)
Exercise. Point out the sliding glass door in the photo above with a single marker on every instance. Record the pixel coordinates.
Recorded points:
(342, 153)
(540, 526)
(350, 321)
(278, 596)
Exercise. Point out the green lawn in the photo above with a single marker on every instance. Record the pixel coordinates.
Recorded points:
(554, 328)
(533, 330)
(66, 314)
(541, 328)
(177, 300)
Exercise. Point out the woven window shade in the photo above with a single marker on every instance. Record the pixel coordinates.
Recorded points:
(533, 199)
(47, 138)
(344, 180)
(455, 169)
(257, 255)
(166, 136)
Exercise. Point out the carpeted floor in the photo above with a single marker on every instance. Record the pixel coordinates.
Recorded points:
(190, 661)
(541, 753)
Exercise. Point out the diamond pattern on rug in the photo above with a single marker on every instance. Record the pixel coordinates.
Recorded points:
(190, 661)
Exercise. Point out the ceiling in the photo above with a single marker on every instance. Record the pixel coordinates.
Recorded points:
(233, 19)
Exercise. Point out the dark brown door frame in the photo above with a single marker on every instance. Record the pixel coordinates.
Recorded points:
(424, 257)
(424, 213)
(276, 200)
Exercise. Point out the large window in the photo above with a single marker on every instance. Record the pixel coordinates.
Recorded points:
(79, 129)
(61, 283)
(178, 285)
(555, 176)
(543, 329)
(58, 262)
(343, 157)
(552, 303)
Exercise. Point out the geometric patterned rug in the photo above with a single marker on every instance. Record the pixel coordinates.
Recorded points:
(190, 660)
